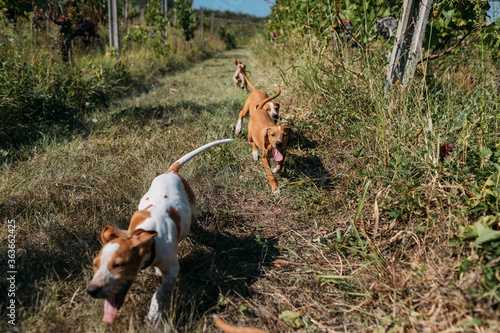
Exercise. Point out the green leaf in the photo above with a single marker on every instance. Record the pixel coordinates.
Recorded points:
(292, 318)
(485, 152)
(484, 232)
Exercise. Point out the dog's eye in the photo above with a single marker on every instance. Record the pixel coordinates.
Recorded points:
(95, 266)
(118, 265)
(272, 134)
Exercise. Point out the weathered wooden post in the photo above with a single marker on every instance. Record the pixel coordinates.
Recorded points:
(212, 25)
(164, 7)
(408, 45)
(114, 41)
(125, 12)
(201, 24)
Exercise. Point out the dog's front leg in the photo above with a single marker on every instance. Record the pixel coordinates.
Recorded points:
(270, 175)
(159, 300)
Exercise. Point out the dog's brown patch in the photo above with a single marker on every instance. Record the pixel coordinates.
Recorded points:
(139, 217)
(147, 198)
(174, 168)
(176, 217)
(165, 196)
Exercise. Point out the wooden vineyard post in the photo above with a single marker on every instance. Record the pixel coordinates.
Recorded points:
(201, 24)
(212, 25)
(114, 40)
(409, 37)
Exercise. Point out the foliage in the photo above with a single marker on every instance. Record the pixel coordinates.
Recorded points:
(75, 20)
(159, 23)
(319, 18)
(154, 17)
(187, 18)
(486, 231)
(228, 37)
(14, 9)
(486, 235)
(40, 95)
(449, 20)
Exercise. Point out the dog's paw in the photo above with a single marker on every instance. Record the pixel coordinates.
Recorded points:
(277, 193)
(255, 155)
(275, 169)
(158, 272)
(153, 314)
(238, 127)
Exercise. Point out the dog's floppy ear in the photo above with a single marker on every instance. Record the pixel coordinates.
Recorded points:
(109, 233)
(265, 136)
(144, 240)
(236, 62)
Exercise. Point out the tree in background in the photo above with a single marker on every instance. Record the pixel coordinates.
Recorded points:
(187, 19)
(76, 19)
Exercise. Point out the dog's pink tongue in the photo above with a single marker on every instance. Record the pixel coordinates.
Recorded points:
(110, 311)
(277, 155)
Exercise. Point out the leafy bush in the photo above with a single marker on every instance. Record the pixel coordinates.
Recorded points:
(187, 18)
(228, 37)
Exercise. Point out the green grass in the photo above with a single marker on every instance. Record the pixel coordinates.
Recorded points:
(42, 95)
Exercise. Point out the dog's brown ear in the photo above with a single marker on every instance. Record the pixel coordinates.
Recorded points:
(109, 233)
(144, 240)
(236, 62)
(265, 136)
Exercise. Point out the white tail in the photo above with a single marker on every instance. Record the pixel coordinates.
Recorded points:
(177, 165)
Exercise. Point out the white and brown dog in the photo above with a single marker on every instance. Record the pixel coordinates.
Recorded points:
(162, 220)
(253, 100)
(238, 78)
(269, 138)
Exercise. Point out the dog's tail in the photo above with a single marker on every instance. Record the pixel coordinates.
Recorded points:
(226, 328)
(261, 105)
(177, 165)
(237, 62)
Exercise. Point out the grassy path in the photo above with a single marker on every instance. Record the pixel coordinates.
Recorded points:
(68, 192)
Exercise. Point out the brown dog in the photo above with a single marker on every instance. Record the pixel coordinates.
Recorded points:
(253, 100)
(238, 78)
(270, 138)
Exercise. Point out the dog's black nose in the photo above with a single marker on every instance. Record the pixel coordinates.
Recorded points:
(93, 290)
(279, 144)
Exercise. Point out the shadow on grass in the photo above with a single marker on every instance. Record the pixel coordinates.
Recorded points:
(306, 165)
(225, 264)
(171, 114)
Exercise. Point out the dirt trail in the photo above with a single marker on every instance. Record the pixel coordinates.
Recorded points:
(225, 263)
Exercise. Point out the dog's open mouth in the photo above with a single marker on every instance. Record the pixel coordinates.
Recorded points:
(114, 303)
(278, 156)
